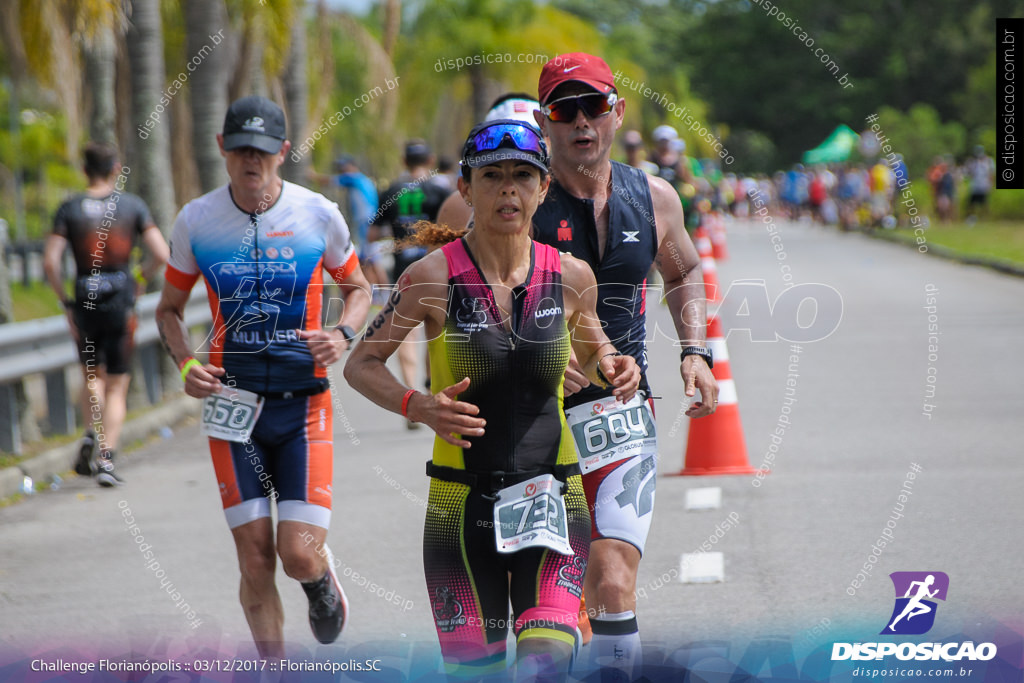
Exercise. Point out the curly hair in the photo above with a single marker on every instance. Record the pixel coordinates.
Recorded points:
(428, 234)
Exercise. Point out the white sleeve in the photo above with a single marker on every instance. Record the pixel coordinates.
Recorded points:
(339, 251)
(182, 259)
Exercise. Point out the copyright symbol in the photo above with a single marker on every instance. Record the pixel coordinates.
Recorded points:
(1007, 174)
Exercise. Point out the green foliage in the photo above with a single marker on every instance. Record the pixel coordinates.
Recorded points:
(920, 136)
(977, 102)
(42, 139)
(172, 16)
(366, 131)
(39, 153)
(754, 151)
(759, 73)
(454, 58)
(927, 67)
(35, 301)
(1007, 205)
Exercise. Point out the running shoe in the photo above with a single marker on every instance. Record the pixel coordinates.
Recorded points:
(328, 607)
(105, 474)
(86, 465)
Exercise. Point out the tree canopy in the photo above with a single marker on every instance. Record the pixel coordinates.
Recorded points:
(765, 80)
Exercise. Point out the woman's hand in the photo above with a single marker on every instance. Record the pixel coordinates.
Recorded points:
(446, 415)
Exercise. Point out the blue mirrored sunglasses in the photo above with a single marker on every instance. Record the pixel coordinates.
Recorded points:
(493, 137)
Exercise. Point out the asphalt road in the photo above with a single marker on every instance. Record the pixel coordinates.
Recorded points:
(73, 580)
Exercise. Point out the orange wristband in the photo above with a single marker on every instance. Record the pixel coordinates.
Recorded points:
(405, 402)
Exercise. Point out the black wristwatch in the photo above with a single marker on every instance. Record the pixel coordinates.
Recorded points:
(347, 332)
(701, 351)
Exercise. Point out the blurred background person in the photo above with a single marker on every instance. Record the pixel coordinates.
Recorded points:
(416, 195)
(980, 171)
(636, 156)
(102, 225)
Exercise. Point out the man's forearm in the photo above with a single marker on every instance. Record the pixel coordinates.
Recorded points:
(174, 335)
(51, 268)
(357, 307)
(57, 286)
(687, 303)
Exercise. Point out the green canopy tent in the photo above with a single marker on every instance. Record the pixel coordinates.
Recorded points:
(837, 147)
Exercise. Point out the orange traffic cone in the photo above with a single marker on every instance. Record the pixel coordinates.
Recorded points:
(707, 263)
(715, 444)
(716, 228)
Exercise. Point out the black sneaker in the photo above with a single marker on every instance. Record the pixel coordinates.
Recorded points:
(328, 606)
(86, 465)
(105, 474)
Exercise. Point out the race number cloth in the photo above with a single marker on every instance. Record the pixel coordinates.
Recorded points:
(231, 414)
(606, 431)
(532, 514)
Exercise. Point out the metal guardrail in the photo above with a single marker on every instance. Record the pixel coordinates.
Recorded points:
(45, 347)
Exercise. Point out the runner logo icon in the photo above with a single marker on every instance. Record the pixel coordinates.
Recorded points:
(914, 611)
(912, 615)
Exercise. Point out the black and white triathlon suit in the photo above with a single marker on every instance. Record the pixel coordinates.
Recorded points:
(617, 444)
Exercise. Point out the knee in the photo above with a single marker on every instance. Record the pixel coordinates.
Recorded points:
(257, 562)
(302, 563)
(612, 585)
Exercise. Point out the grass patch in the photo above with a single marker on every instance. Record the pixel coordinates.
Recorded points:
(31, 449)
(35, 301)
(998, 241)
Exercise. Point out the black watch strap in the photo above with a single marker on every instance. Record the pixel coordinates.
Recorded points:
(347, 332)
(701, 351)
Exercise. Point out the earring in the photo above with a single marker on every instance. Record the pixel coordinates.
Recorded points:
(469, 203)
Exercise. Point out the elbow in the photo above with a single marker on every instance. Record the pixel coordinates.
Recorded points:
(51, 265)
(164, 312)
(350, 373)
(160, 254)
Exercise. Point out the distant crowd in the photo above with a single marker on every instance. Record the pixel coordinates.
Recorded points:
(863, 195)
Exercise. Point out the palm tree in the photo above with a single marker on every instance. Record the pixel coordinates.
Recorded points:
(446, 30)
(208, 86)
(14, 51)
(296, 94)
(392, 25)
(97, 25)
(263, 30)
(99, 64)
(151, 169)
(483, 26)
(53, 59)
